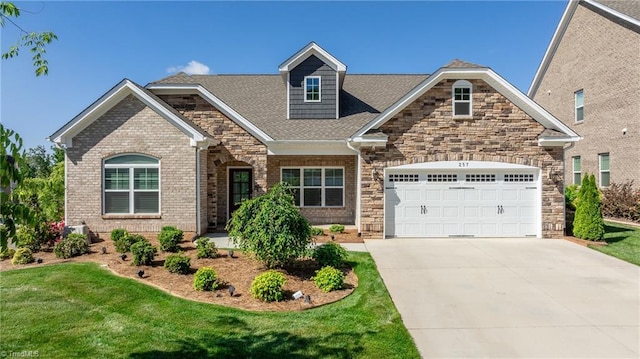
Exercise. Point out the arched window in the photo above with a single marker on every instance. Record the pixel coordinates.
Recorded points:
(131, 184)
(462, 91)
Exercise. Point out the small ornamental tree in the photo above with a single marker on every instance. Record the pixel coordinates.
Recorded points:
(271, 228)
(588, 222)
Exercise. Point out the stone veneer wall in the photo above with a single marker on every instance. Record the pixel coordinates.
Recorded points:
(121, 130)
(425, 131)
(237, 148)
(319, 215)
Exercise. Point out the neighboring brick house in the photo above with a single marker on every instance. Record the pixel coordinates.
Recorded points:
(460, 152)
(589, 78)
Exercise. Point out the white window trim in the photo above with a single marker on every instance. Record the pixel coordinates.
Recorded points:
(304, 89)
(461, 84)
(573, 169)
(600, 170)
(575, 107)
(131, 190)
(322, 186)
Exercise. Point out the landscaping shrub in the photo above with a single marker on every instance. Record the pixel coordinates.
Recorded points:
(316, 231)
(177, 263)
(118, 234)
(169, 238)
(621, 200)
(328, 279)
(206, 279)
(7, 253)
(26, 237)
(267, 286)
(271, 228)
(206, 248)
(336, 228)
(22, 256)
(74, 245)
(588, 222)
(570, 196)
(123, 244)
(143, 253)
(330, 254)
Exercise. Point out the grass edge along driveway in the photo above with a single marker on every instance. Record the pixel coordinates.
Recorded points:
(82, 310)
(623, 242)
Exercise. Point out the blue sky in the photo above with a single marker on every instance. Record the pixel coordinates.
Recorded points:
(100, 43)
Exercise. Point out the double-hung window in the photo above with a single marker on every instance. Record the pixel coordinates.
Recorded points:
(605, 174)
(316, 186)
(579, 101)
(577, 170)
(131, 185)
(462, 98)
(312, 89)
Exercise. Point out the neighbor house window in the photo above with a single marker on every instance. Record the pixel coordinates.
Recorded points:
(579, 106)
(316, 186)
(131, 184)
(312, 89)
(605, 174)
(462, 98)
(577, 170)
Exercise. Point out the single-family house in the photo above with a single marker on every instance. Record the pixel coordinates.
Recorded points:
(589, 78)
(459, 152)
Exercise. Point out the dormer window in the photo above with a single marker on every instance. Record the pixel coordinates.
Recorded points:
(312, 89)
(462, 98)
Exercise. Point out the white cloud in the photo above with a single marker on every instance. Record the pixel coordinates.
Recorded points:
(193, 68)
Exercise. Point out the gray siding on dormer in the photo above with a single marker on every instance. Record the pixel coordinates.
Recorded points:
(326, 108)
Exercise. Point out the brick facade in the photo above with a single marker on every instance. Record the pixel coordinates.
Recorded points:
(425, 131)
(118, 131)
(602, 58)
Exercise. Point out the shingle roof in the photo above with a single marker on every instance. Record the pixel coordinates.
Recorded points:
(261, 99)
(457, 63)
(627, 7)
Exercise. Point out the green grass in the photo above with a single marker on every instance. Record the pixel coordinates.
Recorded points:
(623, 242)
(82, 310)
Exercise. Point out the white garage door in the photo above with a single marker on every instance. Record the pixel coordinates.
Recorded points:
(479, 199)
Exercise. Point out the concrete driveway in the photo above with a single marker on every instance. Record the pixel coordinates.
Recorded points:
(512, 298)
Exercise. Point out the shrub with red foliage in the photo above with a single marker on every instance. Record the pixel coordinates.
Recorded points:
(621, 200)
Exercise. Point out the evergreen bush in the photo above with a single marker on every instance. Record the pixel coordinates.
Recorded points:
(26, 237)
(267, 286)
(336, 228)
(74, 245)
(330, 254)
(22, 256)
(329, 279)
(206, 248)
(588, 222)
(206, 279)
(169, 238)
(177, 263)
(143, 253)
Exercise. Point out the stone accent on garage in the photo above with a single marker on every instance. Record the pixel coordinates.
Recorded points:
(237, 148)
(426, 131)
(319, 215)
(118, 131)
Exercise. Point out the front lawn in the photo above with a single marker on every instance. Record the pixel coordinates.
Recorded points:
(82, 310)
(623, 242)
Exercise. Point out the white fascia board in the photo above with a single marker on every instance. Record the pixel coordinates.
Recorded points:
(487, 75)
(161, 89)
(303, 148)
(312, 49)
(455, 165)
(613, 12)
(556, 142)
(65, 135)
(553, 46)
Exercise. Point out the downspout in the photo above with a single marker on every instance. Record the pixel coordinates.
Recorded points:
(358, 184)
(198, 214)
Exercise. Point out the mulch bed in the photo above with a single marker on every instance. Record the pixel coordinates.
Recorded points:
(238, 271)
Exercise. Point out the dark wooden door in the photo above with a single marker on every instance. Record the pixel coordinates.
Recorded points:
(240, 185)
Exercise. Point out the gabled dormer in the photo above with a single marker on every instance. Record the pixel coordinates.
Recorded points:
(314, 79)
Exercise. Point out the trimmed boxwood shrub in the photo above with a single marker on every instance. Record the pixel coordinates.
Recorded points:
(330, 254)
(7, 253)
(316, 231)
(74, 245)
(118, 234)
(206, 279)
(336, 228)
(177, 263)
(123, 244)
(22, 256)
(26, 237)
(267, 286)
(206, 248)
(169, 238)
(143, 253)
(329, 279)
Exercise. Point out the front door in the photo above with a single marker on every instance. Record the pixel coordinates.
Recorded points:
(240, 184)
